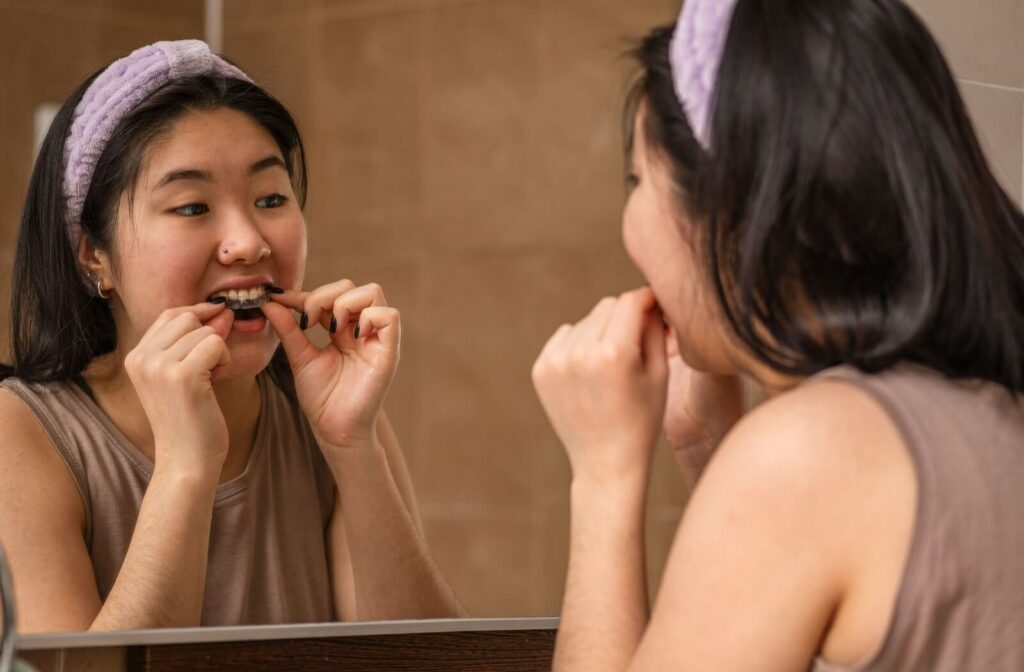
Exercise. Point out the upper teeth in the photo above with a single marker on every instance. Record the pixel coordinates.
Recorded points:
(248, 294)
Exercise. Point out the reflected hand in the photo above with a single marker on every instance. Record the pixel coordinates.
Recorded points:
(700, 411)
(172, 369)
(603, 385)
(341, 387)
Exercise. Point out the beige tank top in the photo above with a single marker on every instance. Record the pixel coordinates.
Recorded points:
(267, 558)
(960, 605)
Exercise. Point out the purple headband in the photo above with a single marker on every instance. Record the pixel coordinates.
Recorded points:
(115, 93)
(695, 54)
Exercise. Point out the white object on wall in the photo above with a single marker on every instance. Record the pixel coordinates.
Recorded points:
(41, 124)
(214, 24)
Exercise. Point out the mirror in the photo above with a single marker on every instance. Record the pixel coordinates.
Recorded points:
(467, 157)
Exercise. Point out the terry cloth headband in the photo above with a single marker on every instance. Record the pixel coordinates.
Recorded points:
(115, 93)
(695, 53)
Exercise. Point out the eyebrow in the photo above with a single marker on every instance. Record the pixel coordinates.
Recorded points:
(192, 174)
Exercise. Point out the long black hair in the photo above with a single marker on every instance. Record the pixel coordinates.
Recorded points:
(57, 326)
(845, 210)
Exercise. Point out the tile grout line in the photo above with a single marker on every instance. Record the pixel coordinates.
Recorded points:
(1000, 87)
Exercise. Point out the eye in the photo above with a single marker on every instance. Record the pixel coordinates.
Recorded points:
(632, 181)
(272, 201)
(191, 210)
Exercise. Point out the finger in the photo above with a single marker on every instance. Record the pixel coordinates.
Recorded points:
(222, 322)
(592, 327)
(671, 343)
(382, 322)
(321, 299)
(207, 354)
(654, 357)
(554, 343)
(294, 299)
(202, 312)
(180, 350)
(163, 335)
(326, 302)
(296, 344)
(626, 326)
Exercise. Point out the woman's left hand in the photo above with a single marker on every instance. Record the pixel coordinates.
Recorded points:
(603, 383)
(341, 387)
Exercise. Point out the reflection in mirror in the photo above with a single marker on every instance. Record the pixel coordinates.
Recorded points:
(463, 156)
(112, 659)
(8, 624)
(212, 464)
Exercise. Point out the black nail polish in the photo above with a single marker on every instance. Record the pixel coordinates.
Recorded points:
(334, 324)
(218, 299)
(355, 334)
(274, 290)
(303, 321)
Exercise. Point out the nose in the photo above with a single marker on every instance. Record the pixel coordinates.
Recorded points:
(241, 241)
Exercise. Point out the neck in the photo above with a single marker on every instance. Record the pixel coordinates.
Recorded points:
(238, 398)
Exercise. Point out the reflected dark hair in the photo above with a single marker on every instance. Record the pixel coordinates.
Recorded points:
(845, 211)
(57, 326)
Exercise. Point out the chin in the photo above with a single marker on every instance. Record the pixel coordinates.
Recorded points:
(249, 356)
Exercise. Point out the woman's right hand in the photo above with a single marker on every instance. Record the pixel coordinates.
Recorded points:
(700, 410)
(173, 368)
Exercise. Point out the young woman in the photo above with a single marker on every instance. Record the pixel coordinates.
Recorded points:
(810, 207)
(165, 462)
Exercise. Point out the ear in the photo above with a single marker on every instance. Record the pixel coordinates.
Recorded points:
(93, 260)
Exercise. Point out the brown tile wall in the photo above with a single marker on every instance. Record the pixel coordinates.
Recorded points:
(51, 46)
(466, 155)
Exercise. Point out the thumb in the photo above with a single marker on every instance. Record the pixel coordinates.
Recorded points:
(222, 322)
(654, 355)
(297, 346)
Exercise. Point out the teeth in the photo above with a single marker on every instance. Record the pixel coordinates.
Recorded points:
(251, 297)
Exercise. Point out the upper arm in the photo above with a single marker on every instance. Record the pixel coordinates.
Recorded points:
(41, 528)
(766, 554)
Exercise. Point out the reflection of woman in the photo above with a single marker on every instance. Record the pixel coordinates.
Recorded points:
(198, 477)
(821, 219)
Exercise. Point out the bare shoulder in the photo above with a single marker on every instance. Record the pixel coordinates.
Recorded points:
(42, 520)
(825, 457)
(829, 428)
(777, 529)
(30, 467)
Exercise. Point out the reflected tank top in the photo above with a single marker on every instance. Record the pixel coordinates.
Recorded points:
(267, 561)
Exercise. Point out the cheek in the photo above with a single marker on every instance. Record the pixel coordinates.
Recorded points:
(633, 233)
(288, 249)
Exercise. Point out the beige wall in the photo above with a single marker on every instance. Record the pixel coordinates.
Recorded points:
(983, 41)
(49, 47)
(466, 155)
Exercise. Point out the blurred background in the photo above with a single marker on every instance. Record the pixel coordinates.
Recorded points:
(466, 155)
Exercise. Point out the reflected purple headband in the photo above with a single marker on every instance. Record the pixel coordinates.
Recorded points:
(115, 93)
(695, 54)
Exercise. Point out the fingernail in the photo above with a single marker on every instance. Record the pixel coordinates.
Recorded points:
(355, 334)
(274, 290)
(303, 321)
(334, 324)
(218, 299)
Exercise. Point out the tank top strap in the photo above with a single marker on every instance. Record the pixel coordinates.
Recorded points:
(960, 589)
